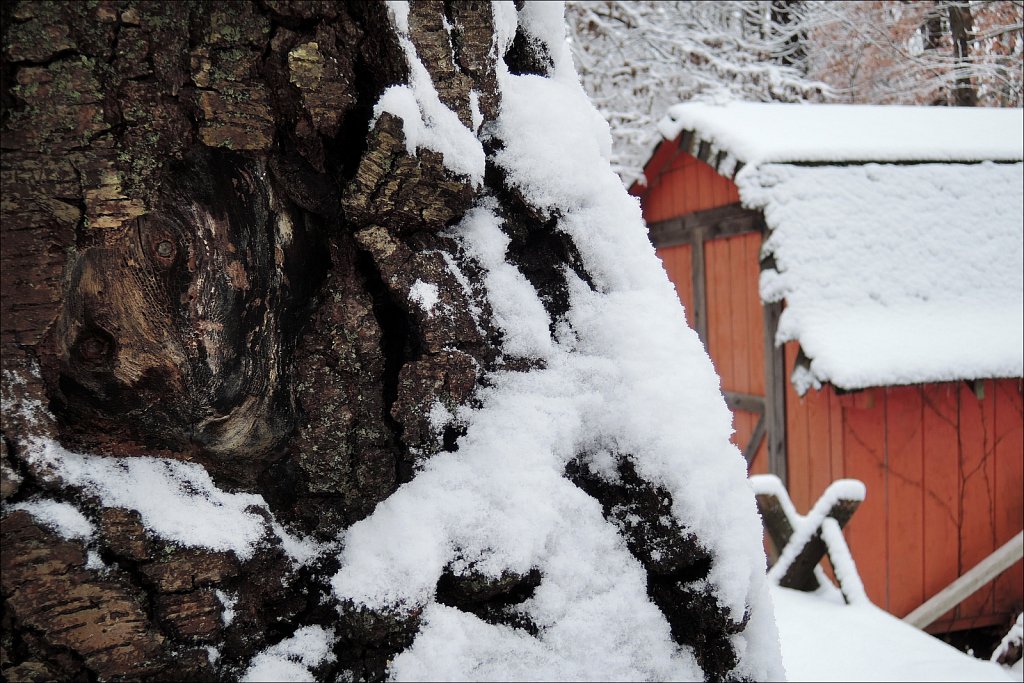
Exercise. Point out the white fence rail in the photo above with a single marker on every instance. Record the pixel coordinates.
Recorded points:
(965, 586)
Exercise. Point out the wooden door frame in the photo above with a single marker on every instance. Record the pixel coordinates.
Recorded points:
(694, 229)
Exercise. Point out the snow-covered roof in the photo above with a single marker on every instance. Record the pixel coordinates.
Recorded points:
(896, 274)
(760, 132)
(892, 273)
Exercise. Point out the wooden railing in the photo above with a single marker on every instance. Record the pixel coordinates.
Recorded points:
(968, 584)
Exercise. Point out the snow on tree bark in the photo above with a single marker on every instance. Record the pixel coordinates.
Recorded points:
(304, 248)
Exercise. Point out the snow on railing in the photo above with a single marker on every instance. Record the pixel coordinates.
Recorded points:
(803, 540)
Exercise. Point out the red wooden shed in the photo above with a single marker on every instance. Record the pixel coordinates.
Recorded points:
(855, 274)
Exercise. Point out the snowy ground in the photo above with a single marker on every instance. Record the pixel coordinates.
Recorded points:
(823, 640)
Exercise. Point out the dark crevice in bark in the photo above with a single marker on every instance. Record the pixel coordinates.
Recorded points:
(528, 55)
(398, 344)
(677, 564)
(368, 641)
(450, 437)
(115, 38)
(493, 600)
(281, 484)
(25, 486)
(347, 147)
(313, 191)
(312, 586)
(8, 102)
(455, 33)
(29, 646)
(291, 21)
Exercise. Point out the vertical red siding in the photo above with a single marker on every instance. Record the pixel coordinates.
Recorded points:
(819, 447)
(865, 459)
(741, 291)
(719, 299)
(797, 449)
(944, 477)
(835, 424)
(977, 472)
(679, 266)
(750, 312)
(941, 484)
(973, 475)
(735, 322)
(904, 449)
(1009, 467)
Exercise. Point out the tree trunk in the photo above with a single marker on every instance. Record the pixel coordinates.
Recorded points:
(211, 256)
(961, 27)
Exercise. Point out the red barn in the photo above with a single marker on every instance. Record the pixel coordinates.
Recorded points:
(857, 275)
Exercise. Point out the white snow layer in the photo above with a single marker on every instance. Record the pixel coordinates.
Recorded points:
(425, 294)
(622, 374)
(762, 132)
(64, 518)
(177, 500)
(825, 641)
(426, 121)
(292, 658)
(896, 274)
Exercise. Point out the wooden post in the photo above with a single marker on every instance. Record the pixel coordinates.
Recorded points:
(776, 521)
(750, 452)
(700, 303)
(752, 404)
(775, 394)
(817, 535)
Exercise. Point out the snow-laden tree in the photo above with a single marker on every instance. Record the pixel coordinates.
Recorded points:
(945, 52)
(333, 348)
(636, 59)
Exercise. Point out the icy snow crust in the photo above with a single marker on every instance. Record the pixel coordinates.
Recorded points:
(623, 374)
(761, 132)
(896, 274)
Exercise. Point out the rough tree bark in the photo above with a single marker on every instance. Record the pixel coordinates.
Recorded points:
(208, 256)
(961, 27)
